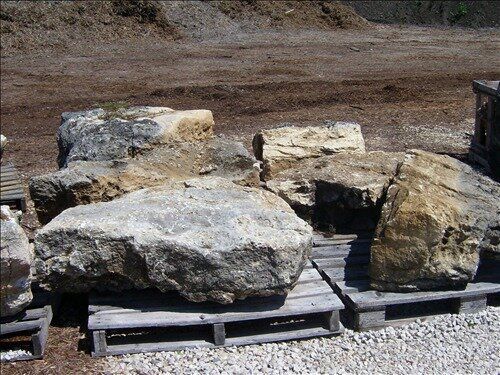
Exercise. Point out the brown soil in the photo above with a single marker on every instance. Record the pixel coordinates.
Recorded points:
(408, 87)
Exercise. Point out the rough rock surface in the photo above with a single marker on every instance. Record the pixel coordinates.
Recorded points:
(281, 148)
(16, 257)
(84, 182)
(208, 238)
(343, 191)
(106, 135)
(438, 214)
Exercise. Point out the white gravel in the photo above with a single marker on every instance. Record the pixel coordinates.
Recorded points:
(449, 344)
(9, 355)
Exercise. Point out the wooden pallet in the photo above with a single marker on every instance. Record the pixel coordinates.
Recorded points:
(33, 323)
(343, 262)
(11, 189)
(149, 321)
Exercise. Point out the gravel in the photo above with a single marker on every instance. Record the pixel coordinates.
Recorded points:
(449, 344)
(9, 355)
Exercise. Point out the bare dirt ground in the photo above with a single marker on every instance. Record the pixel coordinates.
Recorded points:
(409, 87)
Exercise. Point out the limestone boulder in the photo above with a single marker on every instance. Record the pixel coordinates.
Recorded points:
(281, 148)
(84, 182)
(438, 216)
(207, 238)
(106, 135)
(343, 192)
(16, 258)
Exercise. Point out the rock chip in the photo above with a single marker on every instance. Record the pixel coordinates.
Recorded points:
(207, 238)
(343, 191)
(84, 182)
(281, 148)
(438, 215)
(106, 135)
(16, 257)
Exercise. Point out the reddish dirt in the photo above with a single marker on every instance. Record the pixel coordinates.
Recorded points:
(408, 87)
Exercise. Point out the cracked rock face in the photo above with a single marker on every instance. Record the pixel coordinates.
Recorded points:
(439, 215)
(343, 191)
(84, 182)
(16, 257)
(282, 148)
(106, 135)
(207, 238)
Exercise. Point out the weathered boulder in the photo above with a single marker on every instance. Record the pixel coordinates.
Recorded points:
(106, 135)
(84, 182)
(16, 258)
(207, 238)
(438, 214)
(281, 148)
(344, 192)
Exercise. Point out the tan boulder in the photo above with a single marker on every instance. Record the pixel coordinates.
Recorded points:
(343, 192)
(438, 215)
(281, 148)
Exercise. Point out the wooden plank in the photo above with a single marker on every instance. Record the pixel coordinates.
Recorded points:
(219, 334)
(333, 320)
(372, 299)
(9, 182)
(168, 318)
(329, 242)
(342, 262)
(11, 190)
(39, 339)
(246, 340)
(472, 304)
(99, 342)
(369, 319)
(352, 286)
(348, 273)
(354, 249)
(31, 325)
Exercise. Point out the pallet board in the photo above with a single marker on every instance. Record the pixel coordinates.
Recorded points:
(11, 189)
(345, 266)
(147, 321)
(32, 325)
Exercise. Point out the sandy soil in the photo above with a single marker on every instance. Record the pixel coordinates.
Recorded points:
(408, 87)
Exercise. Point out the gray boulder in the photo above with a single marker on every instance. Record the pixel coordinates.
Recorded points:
(106, 135)
(440, 214)
(16, 258)
(207, 238)
(84, 182)
(342, 192)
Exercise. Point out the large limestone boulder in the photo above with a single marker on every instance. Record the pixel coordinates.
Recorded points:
(207, 238)
(106, 135)
(343, 192)
(438, 216)
(84, 182)
(281, 148)
(16, 258)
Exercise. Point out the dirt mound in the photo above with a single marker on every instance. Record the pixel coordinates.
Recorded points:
(48, 25)
(448, 13)
(283, 14)
(31, 25)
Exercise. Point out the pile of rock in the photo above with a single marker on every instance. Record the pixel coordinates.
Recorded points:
(162, 203)
(148, 197)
